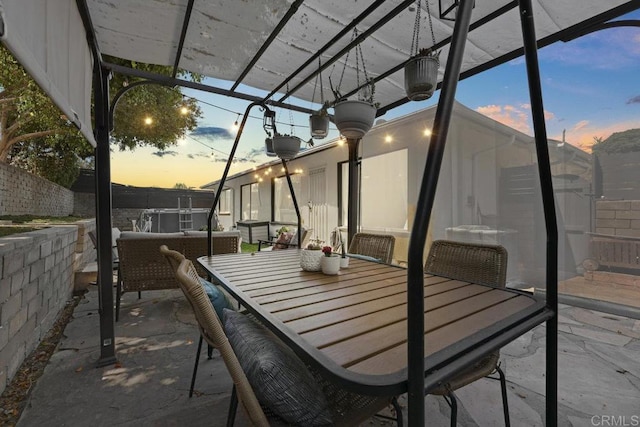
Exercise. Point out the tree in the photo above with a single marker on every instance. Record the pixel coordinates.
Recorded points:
(619, 142)
(35, 135)
(180, 185)
(171, 114)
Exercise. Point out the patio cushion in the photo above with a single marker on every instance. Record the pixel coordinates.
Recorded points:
(279, 379)
(218, 299)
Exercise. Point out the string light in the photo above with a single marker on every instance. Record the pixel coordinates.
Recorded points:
(427, 132)
(388, 139)
(236, 125)
(184, 110)
(148, 121)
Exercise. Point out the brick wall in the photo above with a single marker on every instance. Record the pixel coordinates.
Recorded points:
(84, 205)
(36, 282)
(621, 218)
(24, 193)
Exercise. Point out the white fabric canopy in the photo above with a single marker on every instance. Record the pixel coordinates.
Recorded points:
(223, 37)
(49, 40)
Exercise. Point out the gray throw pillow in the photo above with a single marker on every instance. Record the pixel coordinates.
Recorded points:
(279, 379)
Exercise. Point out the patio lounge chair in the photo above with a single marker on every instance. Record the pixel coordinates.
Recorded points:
(482, 264)
(292, 242)
(378, 246)
(344, 408)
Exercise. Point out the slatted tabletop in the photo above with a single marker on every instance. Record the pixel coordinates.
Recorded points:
(355, 323)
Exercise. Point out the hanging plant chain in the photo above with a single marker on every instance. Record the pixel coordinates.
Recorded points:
(415, 42)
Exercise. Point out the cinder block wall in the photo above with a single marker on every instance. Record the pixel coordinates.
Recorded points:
(621, 218)
(36, 283)
(24, 193)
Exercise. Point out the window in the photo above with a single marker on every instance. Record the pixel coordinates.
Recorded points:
(225, 202)
(250, 200)
(283, 208)
(383, 191)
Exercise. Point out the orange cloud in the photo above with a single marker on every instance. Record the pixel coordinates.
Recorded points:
(582, 134)
(517, 117)
(507, 115)
(580, 125)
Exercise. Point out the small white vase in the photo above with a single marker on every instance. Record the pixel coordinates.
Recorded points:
(344, 262)
(310, 260)
(330, 265)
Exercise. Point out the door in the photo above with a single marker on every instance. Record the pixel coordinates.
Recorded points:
(318, 208)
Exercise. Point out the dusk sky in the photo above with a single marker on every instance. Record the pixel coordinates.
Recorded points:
(590, 87)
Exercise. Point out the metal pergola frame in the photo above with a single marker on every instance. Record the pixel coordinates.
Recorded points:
(463, 24)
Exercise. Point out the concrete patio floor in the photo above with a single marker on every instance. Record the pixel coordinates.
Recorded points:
(599, 373)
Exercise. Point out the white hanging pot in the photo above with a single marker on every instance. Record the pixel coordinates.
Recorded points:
(354, 118)
(420, 77)
(268, 147)
(286, 147)
(319, 124)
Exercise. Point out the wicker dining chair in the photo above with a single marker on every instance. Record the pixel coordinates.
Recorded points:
(346, 408)
(378, 246)
(481, 264)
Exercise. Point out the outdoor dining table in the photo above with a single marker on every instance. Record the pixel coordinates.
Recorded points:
(353, 325)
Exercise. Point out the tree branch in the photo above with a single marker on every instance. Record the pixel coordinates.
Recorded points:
(28, 136)
(11, 129)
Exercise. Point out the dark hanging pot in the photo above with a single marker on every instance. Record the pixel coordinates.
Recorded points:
(421, 76)
(268, 147)
(286, 147)
(319, 124)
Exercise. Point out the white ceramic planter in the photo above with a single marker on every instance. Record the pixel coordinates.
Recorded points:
(420, 77)
(286, 147)
(331, 264)
(319, 125)
(310, 260)
(344, 262)
(354, 118)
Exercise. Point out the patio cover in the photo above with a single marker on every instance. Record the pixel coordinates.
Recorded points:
(48, 38)
(268, 45)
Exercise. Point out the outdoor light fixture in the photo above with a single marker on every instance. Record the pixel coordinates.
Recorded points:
(449, 9)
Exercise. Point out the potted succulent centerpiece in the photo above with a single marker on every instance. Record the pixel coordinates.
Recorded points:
(311, 256)
(330, 261)
(286, 146)
(319, 123)
(421, 74)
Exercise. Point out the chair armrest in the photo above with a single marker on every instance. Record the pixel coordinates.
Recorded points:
(266, 243)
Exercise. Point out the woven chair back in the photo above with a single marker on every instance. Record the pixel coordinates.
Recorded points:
(477, 263)
(213, 333)
(379, 246)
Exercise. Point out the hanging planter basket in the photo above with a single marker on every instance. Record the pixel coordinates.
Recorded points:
(421, 76)
(268, 147)
(319, 125)
(286, 147)
(354, 118)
